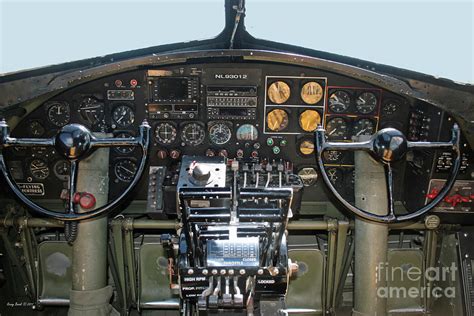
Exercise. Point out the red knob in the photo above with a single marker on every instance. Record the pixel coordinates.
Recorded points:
(456, 199)
(254, 154)
(174, 154)
(84, 199)
(162, 154)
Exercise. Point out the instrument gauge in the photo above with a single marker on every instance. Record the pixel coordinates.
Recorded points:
(91, 110)
(193, 134)
(390, 107)
(333, 156)
(279, 92)
(366, 103)
(277, 120)
(247, 132)
(312, 92)
(61, 170)
(219, 133)
(165, 133)
(337, 128)
(124, 149)
(59, 113)
(309, 120)
(36, 129)
(306, 147)
(39, 169)
(125, 169)
(123, 115)
(308, 175)
(363, 127)
(339, 101)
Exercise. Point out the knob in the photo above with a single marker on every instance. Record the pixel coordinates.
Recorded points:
(174, 154)
(254, 154)
(223, 153)
(210, 153)
(240, 153)
(162, 154)
(84, 199)
(201, 172)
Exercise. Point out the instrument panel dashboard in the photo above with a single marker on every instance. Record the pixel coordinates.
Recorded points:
(245, 111)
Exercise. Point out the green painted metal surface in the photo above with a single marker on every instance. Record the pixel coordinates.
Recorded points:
(55, 266)
(306, 290)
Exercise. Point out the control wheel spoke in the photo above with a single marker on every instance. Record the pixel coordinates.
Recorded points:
(390, 198)
(72, 185)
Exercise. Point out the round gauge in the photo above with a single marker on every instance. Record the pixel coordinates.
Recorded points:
(363, 127)
(123, 115)
(335, 176)
(306, 147)
(59, 113)
(279, 92)
(124, 149)
(337, 128)
(247, 132)
(333, 155)
(219, 133)
(390, 107)
(125, 170)
(165, 133)
(277, 120)
(36, 129)
(312, 92)
(91, 110)
(193, 134)
(309, 120)
(61, 169)
(309, 176)
(366, 103)
(39, 169)
(339, 101)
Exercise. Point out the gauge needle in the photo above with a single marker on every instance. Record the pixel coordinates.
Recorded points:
(127, 170)
(361, 131)
(333, 131)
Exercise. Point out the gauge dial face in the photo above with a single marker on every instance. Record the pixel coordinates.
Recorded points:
(39, 169)
(309, 120)
(219, 133)
(36, 129)
(363, 127)
(247, 132)
(61, 169)
(309, 176)
(335, 176)
(125, 170)
(337, 128)
(124, 149)
(59, 113)
(306, 147)
(279, 92)
(366, 103)
(165, 133)
(390, 107)
(312, 92)
(339, 101)
(333, 155)
(123, 115)
(91, 110)
(193, 134)
(277, 120)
